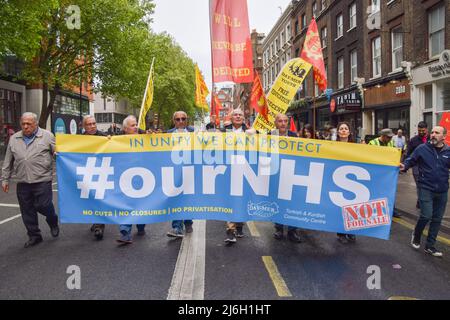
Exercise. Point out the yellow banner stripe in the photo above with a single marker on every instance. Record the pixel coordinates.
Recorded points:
(320, 149)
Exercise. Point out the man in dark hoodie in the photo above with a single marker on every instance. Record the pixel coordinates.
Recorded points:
(433, 161)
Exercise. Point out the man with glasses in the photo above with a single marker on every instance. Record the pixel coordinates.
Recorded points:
(421, 138)
(180, 121)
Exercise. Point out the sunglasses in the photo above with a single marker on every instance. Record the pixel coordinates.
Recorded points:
(180, 119)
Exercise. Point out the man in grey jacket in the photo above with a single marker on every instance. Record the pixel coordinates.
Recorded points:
(30, 156)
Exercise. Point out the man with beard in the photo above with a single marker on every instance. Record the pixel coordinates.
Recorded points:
(433, 161)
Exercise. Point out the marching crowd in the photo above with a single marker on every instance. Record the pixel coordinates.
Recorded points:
(31, 151)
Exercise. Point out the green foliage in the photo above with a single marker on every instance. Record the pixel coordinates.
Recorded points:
(116, 40)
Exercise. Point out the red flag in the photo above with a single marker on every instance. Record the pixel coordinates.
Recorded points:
(292, 127)
(312, 53)
(217, 106)
(258, 99)
(445, 122)
(232, 54)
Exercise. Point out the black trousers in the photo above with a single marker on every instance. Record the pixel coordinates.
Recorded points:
(34, 198)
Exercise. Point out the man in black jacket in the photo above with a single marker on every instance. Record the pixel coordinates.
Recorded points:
(433, 160)
(90, 128)
(421, 138)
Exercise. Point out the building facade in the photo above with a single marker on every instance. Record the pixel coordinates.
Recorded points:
(109, 111)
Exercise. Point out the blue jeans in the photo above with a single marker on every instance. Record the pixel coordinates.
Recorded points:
(178, 224)
(126, 228)
(432, 208)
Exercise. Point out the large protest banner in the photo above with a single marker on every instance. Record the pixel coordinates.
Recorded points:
(282, 92)
(231, 45)
(312, 184)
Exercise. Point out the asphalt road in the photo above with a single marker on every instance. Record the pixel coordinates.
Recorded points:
(257, 267)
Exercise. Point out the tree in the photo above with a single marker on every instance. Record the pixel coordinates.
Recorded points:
(57, 52)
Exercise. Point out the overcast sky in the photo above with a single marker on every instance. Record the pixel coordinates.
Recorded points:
(188, 22)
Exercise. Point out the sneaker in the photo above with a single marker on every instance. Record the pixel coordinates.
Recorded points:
(415, 242)
(433, 251)
(342, 238)
(54, 231)
(189, 228)
(175, 233)
(98, 233)
(294, 237)
(32, 242)
(278, 234)
(239, 232)
(350, 237)
(125, 239)
(231, 238)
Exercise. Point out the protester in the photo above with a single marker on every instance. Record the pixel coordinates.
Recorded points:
(433, 161)
(130, 126)
(235, 229)
(385, 140)
(30, 155)
(180, 120)
(307, 132)
(281, 124)
(421, 138)
(113, 130)
(90, 128)
(212, 126)
(344, 134)
(400, 142)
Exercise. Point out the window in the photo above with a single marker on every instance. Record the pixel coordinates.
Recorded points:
(277, 45)
(303, 21)
(324, 4)
(297, 30)
(376, 57)
(353, 65)
(288, 32)
(397, 48)
(323, 34)
(352, 13)
(375, 6)
(436, 30)
(340, 72)
(283, 38)
(340, 26)
(314, 9)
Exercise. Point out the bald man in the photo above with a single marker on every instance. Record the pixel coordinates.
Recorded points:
(433, 160)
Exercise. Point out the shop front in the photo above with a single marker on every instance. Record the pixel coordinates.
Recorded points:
(346, 107)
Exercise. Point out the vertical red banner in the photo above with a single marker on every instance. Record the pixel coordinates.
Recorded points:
(232, 55)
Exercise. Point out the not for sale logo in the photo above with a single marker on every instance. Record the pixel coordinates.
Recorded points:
(366, 215)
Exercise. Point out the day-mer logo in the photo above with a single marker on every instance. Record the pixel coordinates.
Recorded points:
(264, 209)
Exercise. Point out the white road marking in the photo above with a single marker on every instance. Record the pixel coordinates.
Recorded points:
(9, 219)
(188, 281)
(10, 205)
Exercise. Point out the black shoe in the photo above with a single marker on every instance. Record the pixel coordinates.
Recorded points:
(239, 232)
(278, 234)
(342, 238)
(141, 233)
(350, 237)
(32, 242)
(54, 231)
(231, 238)
(294, 237)
(98, 233)
(189, 228)
(93, 228)
(396, 214)
(418, 204)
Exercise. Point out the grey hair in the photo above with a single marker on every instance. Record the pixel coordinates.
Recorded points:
(279, 115)
(236, 111)
(125, 121)
(85, 118)
(173, 117)
(31, 115)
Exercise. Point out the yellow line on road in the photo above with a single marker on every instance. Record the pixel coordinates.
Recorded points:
(412, 227)
(277, 279)
(253, 230)
(402, 298)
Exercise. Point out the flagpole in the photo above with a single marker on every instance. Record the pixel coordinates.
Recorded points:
(145, 93)
(212, 66)
(314, 115)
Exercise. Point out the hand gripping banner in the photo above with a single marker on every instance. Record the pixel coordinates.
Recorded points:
(311, 184)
